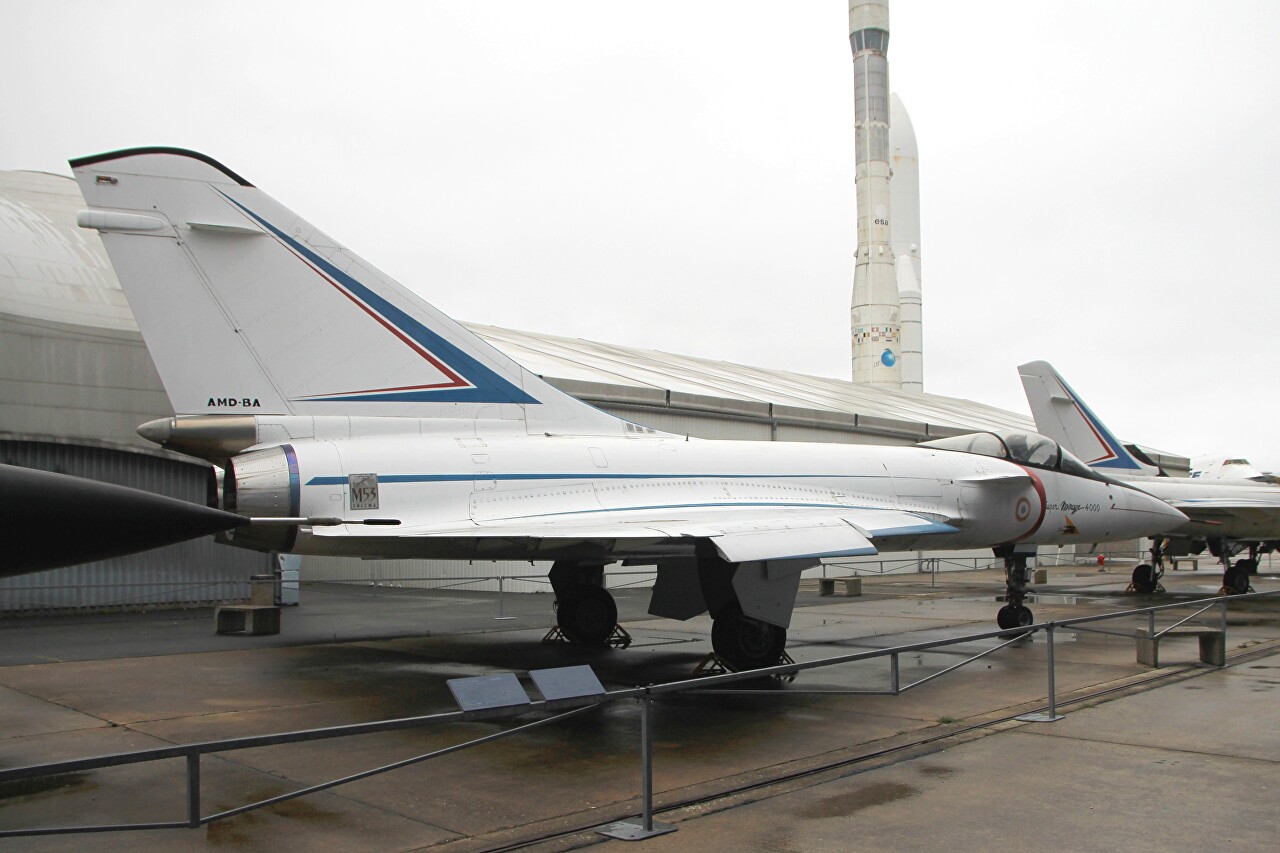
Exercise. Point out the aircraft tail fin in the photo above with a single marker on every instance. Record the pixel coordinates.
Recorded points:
(1060, 414)
(248, 309)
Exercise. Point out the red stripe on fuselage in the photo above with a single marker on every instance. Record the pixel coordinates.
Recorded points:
(1039, 487)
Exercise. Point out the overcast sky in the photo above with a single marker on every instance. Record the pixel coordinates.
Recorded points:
(1098, 179)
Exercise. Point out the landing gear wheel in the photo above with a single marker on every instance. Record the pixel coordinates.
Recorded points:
(1014, 616)
(746, 643)
(1248, 566)
(1144, 579)
(1235, 581)
(587, 616)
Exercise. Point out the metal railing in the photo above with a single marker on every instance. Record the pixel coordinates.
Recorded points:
(192, 753)
(207, 593)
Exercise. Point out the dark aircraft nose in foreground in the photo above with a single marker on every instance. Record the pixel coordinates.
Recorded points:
(51, 520)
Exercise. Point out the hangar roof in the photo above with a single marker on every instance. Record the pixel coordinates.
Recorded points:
(590, 361)
(50, 269)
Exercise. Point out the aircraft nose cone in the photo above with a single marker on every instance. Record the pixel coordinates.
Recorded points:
(1164, 517)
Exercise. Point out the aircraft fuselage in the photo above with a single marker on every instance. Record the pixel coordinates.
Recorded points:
(535, 489)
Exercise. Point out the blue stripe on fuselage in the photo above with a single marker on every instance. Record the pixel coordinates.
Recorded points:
(472, 477)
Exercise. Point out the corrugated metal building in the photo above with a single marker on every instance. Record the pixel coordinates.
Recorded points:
(76, 379)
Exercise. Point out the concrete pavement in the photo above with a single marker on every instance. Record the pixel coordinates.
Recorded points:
(1178, 766)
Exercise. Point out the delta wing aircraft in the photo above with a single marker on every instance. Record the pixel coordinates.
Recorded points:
(322, 389)
(1227, 516)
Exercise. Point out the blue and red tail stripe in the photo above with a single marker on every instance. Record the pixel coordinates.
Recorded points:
(466, 380)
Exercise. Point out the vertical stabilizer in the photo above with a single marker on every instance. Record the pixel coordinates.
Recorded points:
(248, 309)
(1060, 414)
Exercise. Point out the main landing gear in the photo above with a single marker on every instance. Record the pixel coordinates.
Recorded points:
(585, 611)
(1014, 614)
(730, 590)
(745, 643)
(746, 602)
(1235, 577)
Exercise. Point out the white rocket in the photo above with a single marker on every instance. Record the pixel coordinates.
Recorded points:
(876, 313)
(904, 192)
(885, 315)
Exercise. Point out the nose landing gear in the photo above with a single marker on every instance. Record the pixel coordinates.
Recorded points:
(1146, 578)
(1014, 614)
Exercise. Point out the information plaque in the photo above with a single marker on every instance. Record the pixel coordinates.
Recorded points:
(567, 682)
(488, 692)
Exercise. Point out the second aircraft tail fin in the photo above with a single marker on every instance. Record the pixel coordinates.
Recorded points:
(1060, 414)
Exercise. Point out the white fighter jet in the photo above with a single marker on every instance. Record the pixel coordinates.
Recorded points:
(324, 390)
(1229, 516)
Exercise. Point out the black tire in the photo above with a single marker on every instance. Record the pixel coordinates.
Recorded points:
(745, 643)
(1144, 579)
(1249, 567)
(1235, 581)
(1014, 616)
(587, 616)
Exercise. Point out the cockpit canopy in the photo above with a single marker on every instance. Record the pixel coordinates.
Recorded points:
(1025, 448)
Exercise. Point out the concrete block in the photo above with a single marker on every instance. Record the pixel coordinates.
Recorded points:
(852, 586)
(1148, 650)
(247, 619)
(1213, 644)
(262, 590)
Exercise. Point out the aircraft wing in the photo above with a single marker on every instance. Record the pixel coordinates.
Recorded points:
(1223, 511)
(740, 534)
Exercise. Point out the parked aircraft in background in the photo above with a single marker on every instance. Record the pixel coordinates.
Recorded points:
(1222, 468)
(321, 388)
(1227, 516)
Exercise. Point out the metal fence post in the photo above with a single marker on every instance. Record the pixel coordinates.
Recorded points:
(646, 773)
(1052, 715)
(893, 673)
(1053, 698)
(193, 789)
(648, 827)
